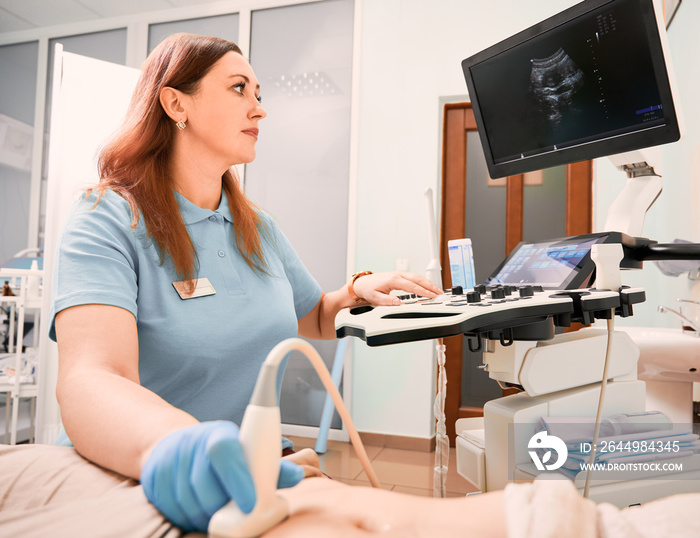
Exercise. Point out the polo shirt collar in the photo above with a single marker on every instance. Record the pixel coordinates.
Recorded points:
(192, 213)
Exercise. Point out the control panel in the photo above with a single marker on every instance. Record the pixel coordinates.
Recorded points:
(500, 312)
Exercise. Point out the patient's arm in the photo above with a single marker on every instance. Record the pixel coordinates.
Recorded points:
(322, 507)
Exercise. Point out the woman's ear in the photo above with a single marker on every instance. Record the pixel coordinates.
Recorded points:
(172, 102)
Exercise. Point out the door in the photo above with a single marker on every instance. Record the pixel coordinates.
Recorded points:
(503, 226)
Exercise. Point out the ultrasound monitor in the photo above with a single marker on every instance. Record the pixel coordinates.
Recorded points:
(588, 82)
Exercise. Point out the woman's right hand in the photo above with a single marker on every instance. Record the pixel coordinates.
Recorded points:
(195, 471)
(375, 288)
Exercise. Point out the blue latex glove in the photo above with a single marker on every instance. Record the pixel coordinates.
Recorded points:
(195, 471)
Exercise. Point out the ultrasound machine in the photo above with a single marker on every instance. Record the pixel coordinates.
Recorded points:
(592, 81)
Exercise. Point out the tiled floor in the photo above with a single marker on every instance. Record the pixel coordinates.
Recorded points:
(404, 471)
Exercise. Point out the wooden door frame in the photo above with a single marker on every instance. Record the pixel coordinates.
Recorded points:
(458, 120)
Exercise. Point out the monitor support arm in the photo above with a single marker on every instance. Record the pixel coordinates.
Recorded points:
(626, 213)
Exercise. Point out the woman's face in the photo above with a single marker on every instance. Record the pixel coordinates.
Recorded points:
(223, 114)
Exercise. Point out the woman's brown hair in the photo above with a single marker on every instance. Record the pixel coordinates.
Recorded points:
(135, 162)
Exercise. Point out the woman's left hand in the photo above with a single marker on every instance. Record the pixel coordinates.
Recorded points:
(375, 288)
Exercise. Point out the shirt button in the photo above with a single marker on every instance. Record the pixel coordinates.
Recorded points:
(212, 218)
(221, 254)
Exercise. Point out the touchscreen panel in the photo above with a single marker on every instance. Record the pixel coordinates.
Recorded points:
(555, 264)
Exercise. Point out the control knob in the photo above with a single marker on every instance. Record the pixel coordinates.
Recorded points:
(473, 297)
(498, 293)
(527, 291)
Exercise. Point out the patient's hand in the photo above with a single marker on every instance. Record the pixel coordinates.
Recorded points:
(323, 507)
(308, 460)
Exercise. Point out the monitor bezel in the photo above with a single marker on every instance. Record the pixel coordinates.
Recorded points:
(669, 132)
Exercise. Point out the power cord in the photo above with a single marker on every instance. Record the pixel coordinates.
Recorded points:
(603, 385)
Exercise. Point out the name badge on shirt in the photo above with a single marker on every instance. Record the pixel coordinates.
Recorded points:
(202, 288)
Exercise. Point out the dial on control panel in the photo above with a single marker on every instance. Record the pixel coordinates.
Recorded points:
(498, 293)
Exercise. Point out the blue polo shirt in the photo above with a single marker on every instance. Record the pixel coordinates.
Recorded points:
(203, 354)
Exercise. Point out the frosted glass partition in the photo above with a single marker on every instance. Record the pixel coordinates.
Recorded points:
(109, 46)
(302, 56)
(18, 65)
(224, 26)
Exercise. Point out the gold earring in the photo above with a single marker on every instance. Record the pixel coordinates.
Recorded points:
(181, 125)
